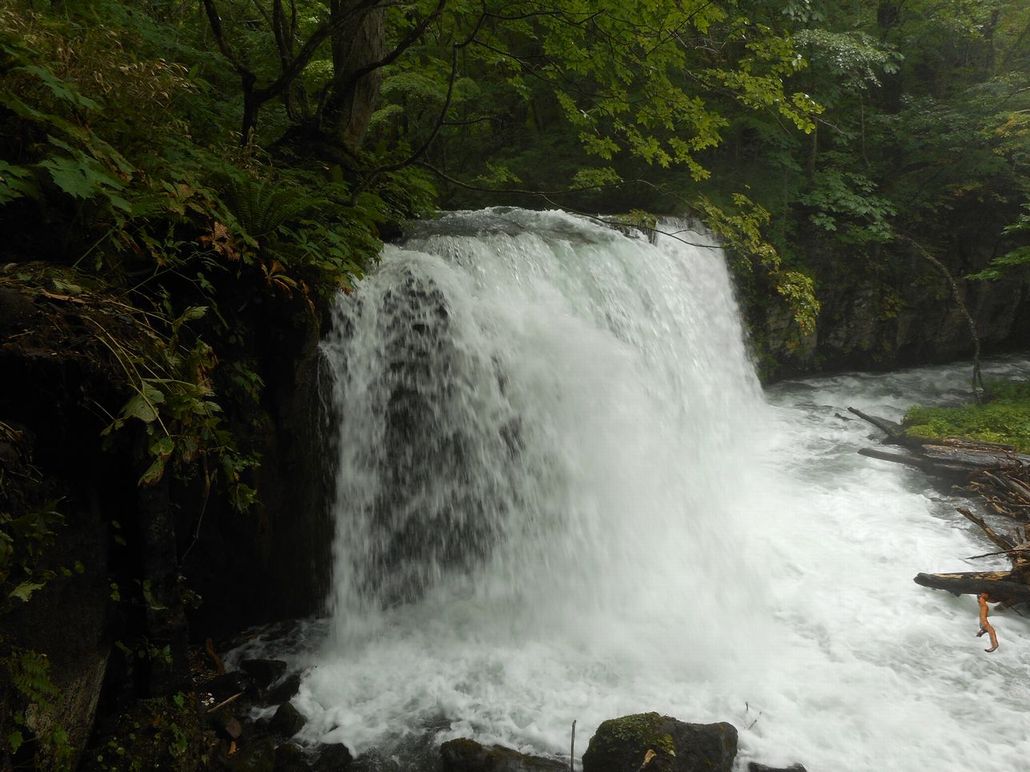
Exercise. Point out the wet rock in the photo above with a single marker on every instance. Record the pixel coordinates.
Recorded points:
(469, 756)
(373, 761)
(621, 744)
(287, 721)
(332, 757)
(754, 766)
(232, 728)
(283, 692)
(290, 757)
(256, 756)
(263, 672)
(224, 723)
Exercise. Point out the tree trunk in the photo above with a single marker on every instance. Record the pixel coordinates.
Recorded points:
(351, 100)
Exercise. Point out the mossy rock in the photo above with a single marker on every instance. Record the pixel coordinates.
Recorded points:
(621, 745)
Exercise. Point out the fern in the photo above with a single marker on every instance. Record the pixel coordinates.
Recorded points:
(262, 206)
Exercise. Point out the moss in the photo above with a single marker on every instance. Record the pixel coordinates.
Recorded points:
(643, 729)
(1004, 419)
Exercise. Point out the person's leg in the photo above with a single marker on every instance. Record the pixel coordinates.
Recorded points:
(994, 637)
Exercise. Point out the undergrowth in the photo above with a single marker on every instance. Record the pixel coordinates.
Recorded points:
(1005, 419)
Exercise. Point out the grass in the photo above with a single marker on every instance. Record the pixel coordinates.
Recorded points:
(1004, 419)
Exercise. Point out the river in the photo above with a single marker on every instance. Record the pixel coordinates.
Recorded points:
(562, 495)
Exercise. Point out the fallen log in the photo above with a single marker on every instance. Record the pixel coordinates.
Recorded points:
(947, 456)
(976, 458)
(1002, 585)
(954, 472)
(1000, 475)
(895, 432)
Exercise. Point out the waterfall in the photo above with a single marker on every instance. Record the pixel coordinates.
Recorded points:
(533, 407)
(561, 494)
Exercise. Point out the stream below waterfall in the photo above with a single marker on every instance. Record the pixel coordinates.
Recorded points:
(562, 495)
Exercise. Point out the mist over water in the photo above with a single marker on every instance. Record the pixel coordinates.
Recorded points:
(562, 495)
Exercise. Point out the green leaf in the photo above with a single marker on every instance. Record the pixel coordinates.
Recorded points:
(138, 407)
(14, 741)
(151, 601)
(16, 182)
(24, 590)
(72, 177)
(59, 88)
(154, 472)
(190, 314)
(162, 447)
(599, 178)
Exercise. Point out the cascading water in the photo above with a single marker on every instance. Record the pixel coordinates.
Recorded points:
(562, 495)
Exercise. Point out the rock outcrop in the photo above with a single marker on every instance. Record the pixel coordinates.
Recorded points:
(469, 756)
(659, 743)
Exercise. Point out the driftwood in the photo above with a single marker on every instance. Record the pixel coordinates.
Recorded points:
(953, 472)
(1011, 586)
(1001, 585)
(895, 432)
(1000, 476)
(952, 458)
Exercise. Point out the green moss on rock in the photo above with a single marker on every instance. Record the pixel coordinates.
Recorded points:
(621, 744)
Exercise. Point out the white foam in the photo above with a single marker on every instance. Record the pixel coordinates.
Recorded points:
(662, 539)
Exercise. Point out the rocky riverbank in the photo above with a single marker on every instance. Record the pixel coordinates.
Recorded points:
(244, 720)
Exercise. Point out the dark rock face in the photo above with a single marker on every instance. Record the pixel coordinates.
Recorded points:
(275, 562)
(332, 757)
(287, 721)
(263, 672)
(290, 757)
(899, 315)
(622, 745)
(754, 766)
(470, 756)
(283, 692)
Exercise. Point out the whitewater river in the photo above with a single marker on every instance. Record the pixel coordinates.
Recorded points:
(562, 495)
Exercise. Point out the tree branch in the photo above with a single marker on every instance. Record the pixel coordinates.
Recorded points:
(978, 384)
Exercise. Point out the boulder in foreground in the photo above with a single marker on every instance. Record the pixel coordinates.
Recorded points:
(470, 756)
(622, 744)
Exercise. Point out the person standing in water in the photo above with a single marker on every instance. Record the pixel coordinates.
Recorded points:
(985, 626)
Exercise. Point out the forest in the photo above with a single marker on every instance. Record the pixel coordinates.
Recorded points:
(187, 188)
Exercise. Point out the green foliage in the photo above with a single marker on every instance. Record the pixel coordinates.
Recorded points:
(29, 524)
(847, 202)
(741, 227)
(33, 694)
(180, 230)
(159, 733)
(1004, 419)
(1015, 258)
